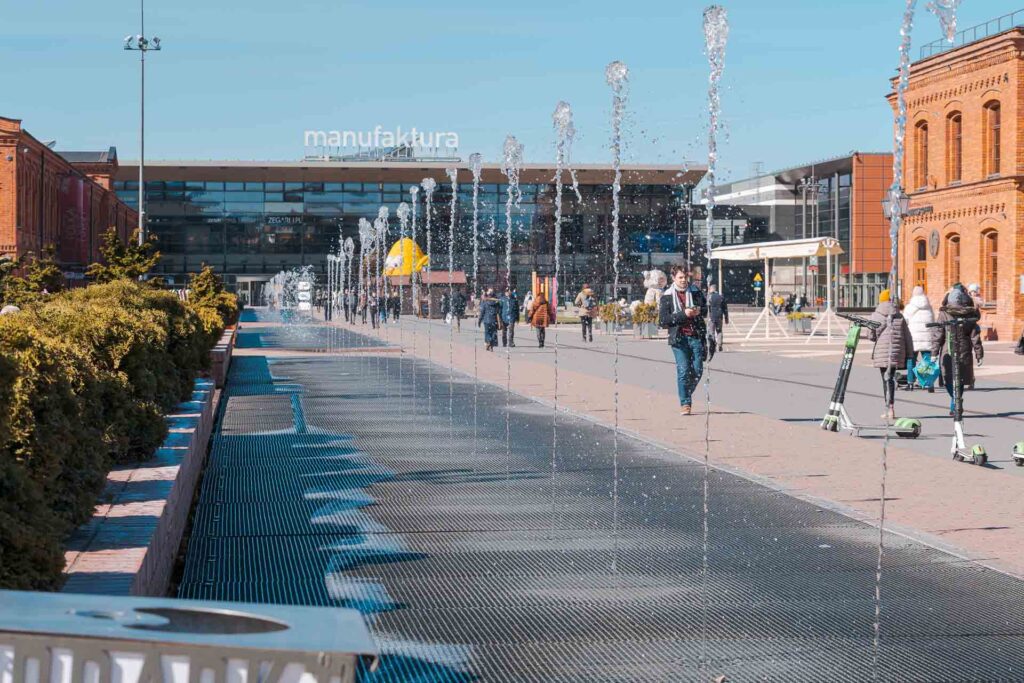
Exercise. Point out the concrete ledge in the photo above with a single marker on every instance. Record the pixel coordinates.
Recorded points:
(220, 357)
(130, 545)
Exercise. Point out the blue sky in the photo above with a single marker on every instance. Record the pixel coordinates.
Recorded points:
(804, 79)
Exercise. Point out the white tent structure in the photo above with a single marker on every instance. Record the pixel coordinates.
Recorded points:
(766, 251)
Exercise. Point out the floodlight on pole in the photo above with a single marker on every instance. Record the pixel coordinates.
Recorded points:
(139, 43)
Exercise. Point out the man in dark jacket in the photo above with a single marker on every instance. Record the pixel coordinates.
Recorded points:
(718, 317)
(490, 313)
(681, 311)
(509, 317)
(458, 308)
(954, 343)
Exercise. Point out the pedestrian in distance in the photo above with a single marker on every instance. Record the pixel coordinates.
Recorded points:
(718, 317)
(490, 314)
(539, 315)
(372, 305)
(682, 310)
(919, 314)
(894, 347)
(509, 317)
(586, 309)
(458, 309)
(954, 344)
(527, 303)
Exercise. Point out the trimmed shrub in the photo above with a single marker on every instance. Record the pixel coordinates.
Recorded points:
(86, 377)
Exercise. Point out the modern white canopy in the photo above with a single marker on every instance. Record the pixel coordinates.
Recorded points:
(766, 251)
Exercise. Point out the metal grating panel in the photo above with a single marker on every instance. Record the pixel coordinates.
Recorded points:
(333, 482)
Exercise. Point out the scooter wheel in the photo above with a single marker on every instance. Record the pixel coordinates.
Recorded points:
(911, 433)
(1019, 462)
(980, 460)
(958, 457)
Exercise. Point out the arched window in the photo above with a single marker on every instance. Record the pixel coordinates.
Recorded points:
(952, 260)
(989, 264)
(992, 139)
(920, 265)
(921, 155)
(954, 147)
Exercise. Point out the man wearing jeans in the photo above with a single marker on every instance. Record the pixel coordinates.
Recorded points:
(681, 311)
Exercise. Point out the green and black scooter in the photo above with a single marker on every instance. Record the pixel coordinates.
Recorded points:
(837, 418)
(957, 332)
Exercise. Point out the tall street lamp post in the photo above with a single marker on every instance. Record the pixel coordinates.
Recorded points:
(142, 45)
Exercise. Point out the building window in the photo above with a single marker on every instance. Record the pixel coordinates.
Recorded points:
(993, 138)
(920, 267)
(952, 260)
(921, 155)
(954, 147)
(989, 264)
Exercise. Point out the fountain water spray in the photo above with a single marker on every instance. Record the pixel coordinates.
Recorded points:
(429, 185)
(381, 230)
(453, 176)
(365, 237)
(945, 10)
(414, 192)
(565, 132)
(476, 166)
(350, 249)
(403, 230)
(511, 163)
(716, 37)
(616, 75)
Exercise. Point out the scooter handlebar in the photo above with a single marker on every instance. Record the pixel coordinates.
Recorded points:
(863, 322)
(952, 322)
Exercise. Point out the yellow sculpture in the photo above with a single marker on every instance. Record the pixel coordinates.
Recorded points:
(405, 258)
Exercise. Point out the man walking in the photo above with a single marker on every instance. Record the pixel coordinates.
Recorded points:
(509, 317)
(681, 311)
(718, 317)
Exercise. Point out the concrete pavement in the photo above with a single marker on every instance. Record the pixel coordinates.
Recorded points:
(764, 425)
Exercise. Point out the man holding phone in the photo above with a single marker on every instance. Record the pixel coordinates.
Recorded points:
(682, 310)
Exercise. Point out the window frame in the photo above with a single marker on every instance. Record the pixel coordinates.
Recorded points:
(954, 148)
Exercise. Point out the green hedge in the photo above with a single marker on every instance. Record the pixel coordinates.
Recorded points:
(85, 379)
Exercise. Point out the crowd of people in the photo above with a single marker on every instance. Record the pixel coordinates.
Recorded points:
(909, 349)
(909, 339)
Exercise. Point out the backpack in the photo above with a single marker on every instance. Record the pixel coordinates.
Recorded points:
(589, 304)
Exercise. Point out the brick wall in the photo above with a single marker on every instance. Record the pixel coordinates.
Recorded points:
(44, 199)
(981, 204)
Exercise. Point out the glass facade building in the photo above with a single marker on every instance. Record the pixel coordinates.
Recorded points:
(838, 198)
(251, 222)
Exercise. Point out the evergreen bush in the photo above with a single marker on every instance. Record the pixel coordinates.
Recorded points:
(86, 377)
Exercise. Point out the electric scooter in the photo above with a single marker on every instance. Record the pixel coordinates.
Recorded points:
(837, 418)
(957, 330)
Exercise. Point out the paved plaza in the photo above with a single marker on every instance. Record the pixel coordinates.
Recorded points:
(486, 538)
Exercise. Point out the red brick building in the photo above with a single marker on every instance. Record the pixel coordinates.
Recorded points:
(63, 199)
(963, 172)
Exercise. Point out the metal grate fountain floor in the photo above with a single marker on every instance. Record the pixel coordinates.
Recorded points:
(333, 481)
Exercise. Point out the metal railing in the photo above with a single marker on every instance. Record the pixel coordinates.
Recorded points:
(974, 33)
(69, 638)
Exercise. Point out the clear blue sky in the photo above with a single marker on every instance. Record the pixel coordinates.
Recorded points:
(804, 79)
